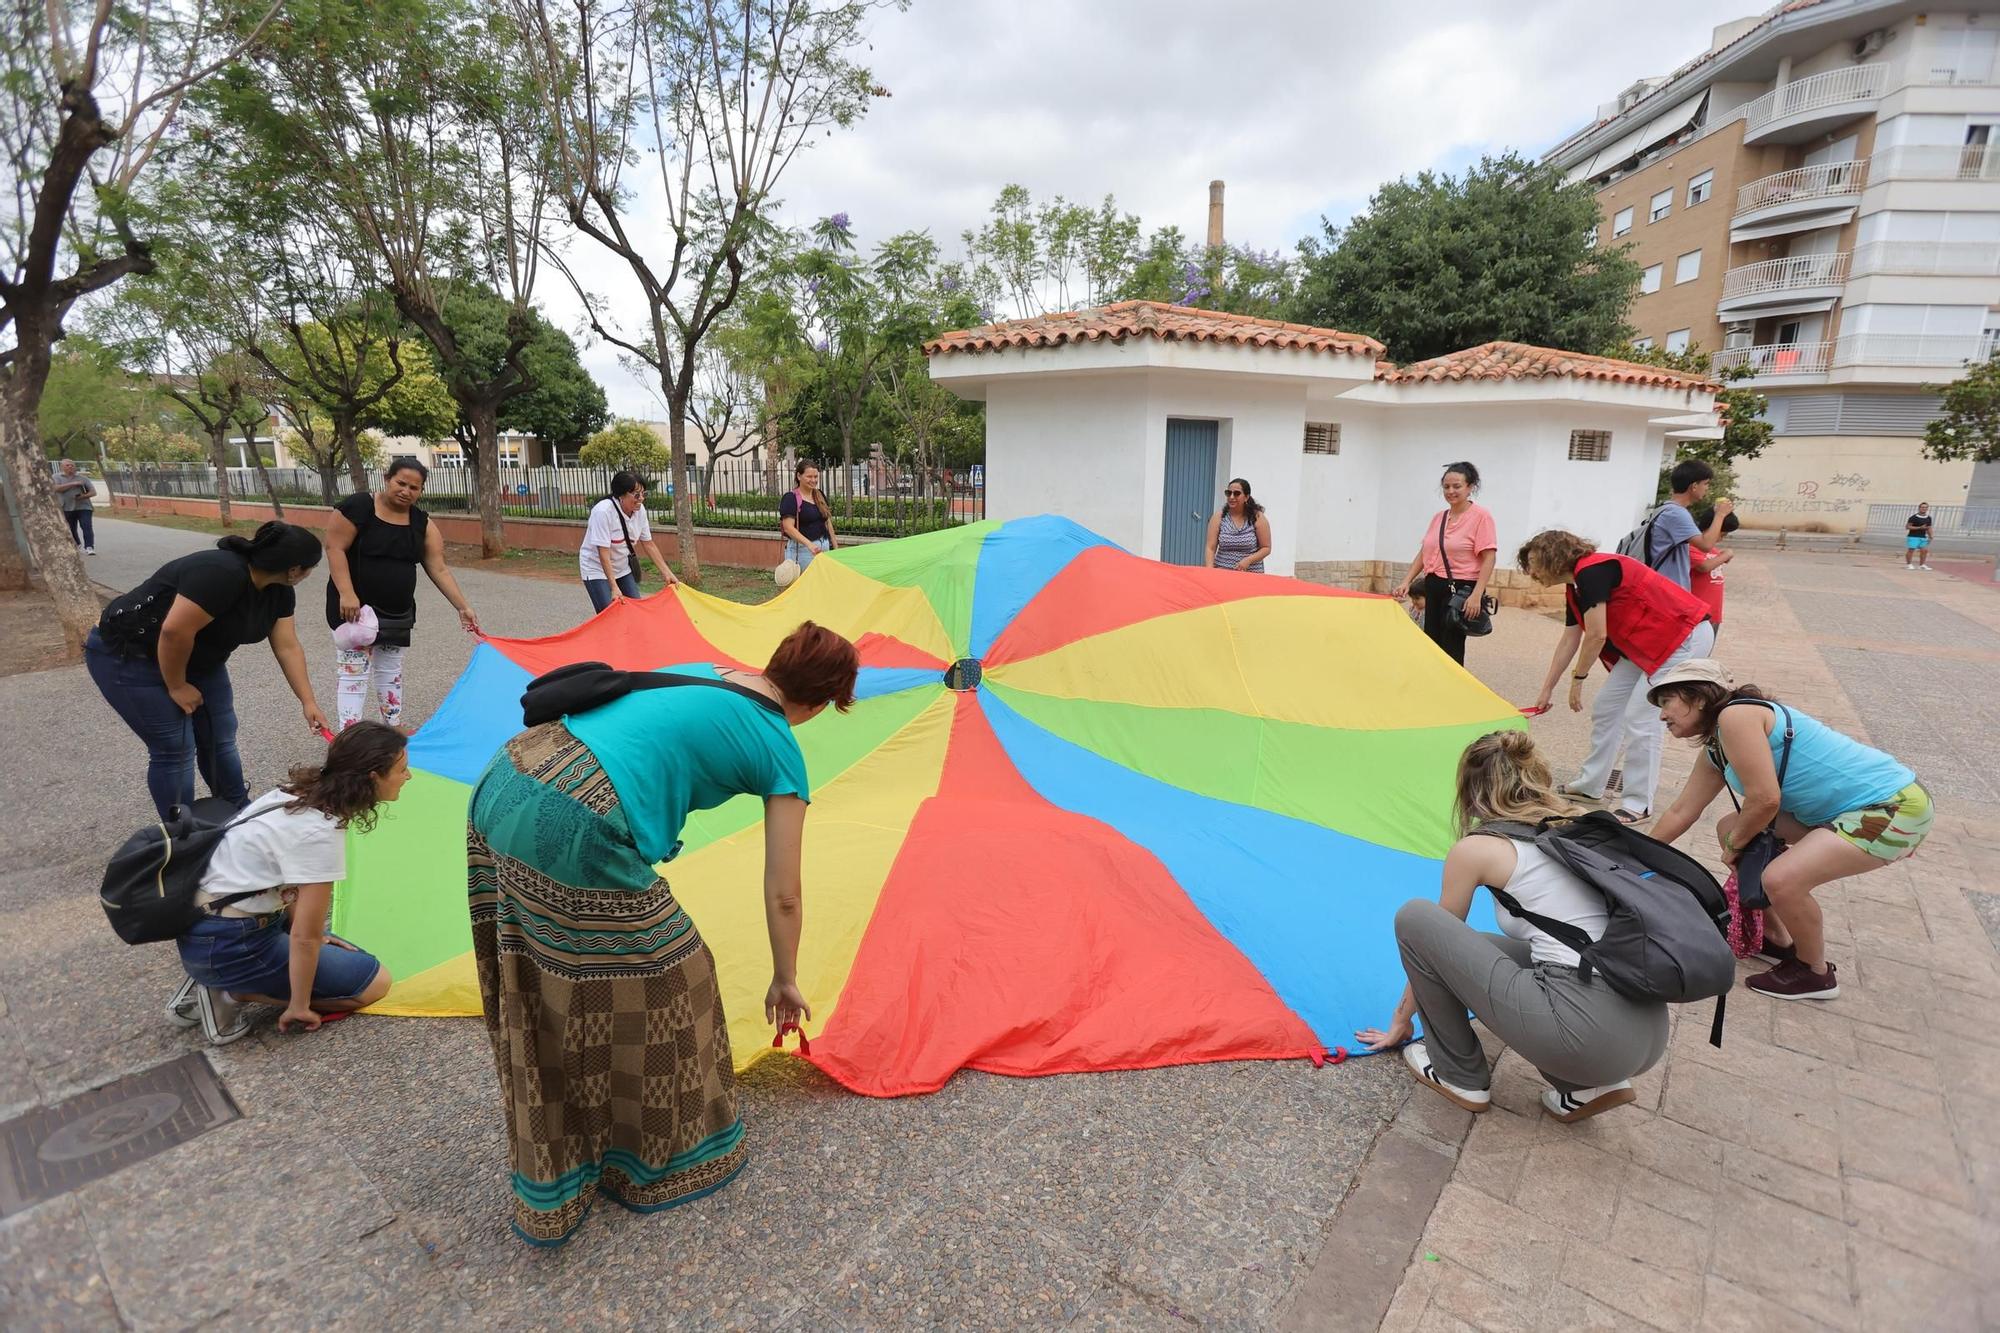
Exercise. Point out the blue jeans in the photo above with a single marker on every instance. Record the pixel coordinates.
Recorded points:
(600, 589)
(802, 553)
(177, 744)
(235, 954)
(80, 519)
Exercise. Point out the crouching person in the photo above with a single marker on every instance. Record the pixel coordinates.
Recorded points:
(1587, 1040)
(265, 894)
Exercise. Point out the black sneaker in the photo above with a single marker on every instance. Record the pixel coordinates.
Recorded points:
(1777, 953)
(1793, 980)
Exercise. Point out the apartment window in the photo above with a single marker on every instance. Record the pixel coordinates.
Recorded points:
(1590, 239)
(1642, 344)
(1322, 437)
(1621, 223)
(1590, 446)
(1663, 204)
(1677, 341)
(1688, 267)
(1649, 281)
(1700, 188)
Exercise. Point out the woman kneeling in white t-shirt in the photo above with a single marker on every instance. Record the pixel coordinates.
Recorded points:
(1587, 1039)
(286, 851)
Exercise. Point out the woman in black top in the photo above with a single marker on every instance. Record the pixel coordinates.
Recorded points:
(805, 518)
(374, 544)
(158, 655)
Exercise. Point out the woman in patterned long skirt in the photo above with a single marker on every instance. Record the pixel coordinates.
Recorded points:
(600, 996)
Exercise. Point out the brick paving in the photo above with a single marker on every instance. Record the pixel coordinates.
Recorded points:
(1834, 1165)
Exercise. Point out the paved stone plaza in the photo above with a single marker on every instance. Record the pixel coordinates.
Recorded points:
(1833, 1165)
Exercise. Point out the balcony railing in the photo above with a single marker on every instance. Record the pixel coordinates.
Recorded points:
(1973, 259)
(1784, 275)
(1777, 358)
(1942, 350)
(1942, 162)
(1856, 83)
(1830, 180)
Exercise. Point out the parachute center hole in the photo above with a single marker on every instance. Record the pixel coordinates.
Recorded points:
(963, 675)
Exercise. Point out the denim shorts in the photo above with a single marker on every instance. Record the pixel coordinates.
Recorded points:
(236, 954)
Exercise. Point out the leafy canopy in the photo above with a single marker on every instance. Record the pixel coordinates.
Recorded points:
(1443, 262)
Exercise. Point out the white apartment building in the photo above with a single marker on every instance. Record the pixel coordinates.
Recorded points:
(1817, 196)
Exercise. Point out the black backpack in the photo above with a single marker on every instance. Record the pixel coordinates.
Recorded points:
(1638, 543)
(149, 888)
(1668, 936)
(582, 686)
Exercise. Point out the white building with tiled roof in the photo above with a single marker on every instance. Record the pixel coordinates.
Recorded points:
(1129, 420)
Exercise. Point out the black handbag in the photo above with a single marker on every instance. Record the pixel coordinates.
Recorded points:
(399, 624)
(1479, 623)
(148, 890)
(631, 552)
(1756, 855)
(582, 686)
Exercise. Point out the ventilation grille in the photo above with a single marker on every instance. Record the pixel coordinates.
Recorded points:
(1322, 437)
(1853, 413)
(1590, 446)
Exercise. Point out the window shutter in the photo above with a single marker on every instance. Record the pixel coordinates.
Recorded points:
(1322, 437)
(1590, 446)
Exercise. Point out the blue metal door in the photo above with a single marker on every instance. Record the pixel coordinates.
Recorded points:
(1190, 491)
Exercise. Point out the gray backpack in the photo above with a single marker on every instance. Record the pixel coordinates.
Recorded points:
(1668, 937)
(1637, 543)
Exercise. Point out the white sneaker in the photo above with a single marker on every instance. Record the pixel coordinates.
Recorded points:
(1419, 1061)
(1925, 568)
(90, 550)
(1584, 1103)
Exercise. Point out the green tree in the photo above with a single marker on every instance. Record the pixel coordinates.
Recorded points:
(1444, 262)
(1969, 425)
(718, 98)
(90, 391)
(88, 94)
(150, 445)
(628, 446)
(566, 406)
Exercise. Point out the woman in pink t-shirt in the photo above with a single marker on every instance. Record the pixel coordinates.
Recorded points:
(1456, 555)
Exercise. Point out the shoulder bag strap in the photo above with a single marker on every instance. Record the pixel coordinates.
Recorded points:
(660, 680)
(1441, 551)
(1784, 755)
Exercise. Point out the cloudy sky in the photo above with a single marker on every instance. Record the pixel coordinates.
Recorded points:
(1303, 108)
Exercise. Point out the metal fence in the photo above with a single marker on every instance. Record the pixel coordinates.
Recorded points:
(1972, 526)
(868, 499)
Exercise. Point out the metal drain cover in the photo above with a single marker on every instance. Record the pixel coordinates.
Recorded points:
(52, 1150)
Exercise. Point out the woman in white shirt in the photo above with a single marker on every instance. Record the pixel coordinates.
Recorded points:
(262, 938)
(1587, 1040)
(617, 531)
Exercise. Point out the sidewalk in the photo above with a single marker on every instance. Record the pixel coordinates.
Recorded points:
(1833, 1165)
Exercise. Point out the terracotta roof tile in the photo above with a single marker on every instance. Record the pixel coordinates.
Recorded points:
(1519, 361)
(1151, 319)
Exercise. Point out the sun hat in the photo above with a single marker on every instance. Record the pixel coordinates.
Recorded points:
(1694, 671)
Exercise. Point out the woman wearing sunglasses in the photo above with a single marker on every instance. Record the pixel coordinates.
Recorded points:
(1239, 537)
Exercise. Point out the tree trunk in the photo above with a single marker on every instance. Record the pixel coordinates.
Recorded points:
(218, 456)
(59, 558)
(13, 560)
(263, 474)
(683, 500)
(357, 471)
(485, 419)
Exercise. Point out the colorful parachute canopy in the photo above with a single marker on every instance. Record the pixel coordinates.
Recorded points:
(1166, 816)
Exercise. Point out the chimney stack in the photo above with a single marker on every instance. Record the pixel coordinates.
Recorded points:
(1214, 215)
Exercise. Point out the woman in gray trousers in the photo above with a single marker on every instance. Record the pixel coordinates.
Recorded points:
(1587, 1040)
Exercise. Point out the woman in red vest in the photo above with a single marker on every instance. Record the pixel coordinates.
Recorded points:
(1638, 623)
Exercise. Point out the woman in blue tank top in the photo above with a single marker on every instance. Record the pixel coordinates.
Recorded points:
(1842, 809)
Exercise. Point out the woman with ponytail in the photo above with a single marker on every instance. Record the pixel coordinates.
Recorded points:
(262, 938)
(1588, 1041)
(160, 654)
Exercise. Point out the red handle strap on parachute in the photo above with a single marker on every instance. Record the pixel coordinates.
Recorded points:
(778, 1042)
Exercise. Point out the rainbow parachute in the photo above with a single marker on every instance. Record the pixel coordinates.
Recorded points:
(1090, 812)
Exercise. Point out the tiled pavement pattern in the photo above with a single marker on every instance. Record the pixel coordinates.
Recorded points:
(1838, 1166)
(1835, 1165)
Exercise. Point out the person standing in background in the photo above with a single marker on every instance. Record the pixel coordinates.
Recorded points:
(1917, 539)
(374, 544)
(1239, 535)
(1456, 555)
(76, 490)
(805, 518)
(1705, 567)
(616, 533)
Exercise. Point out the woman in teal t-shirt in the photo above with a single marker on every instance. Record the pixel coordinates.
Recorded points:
(1840, 807)
(600, 996)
